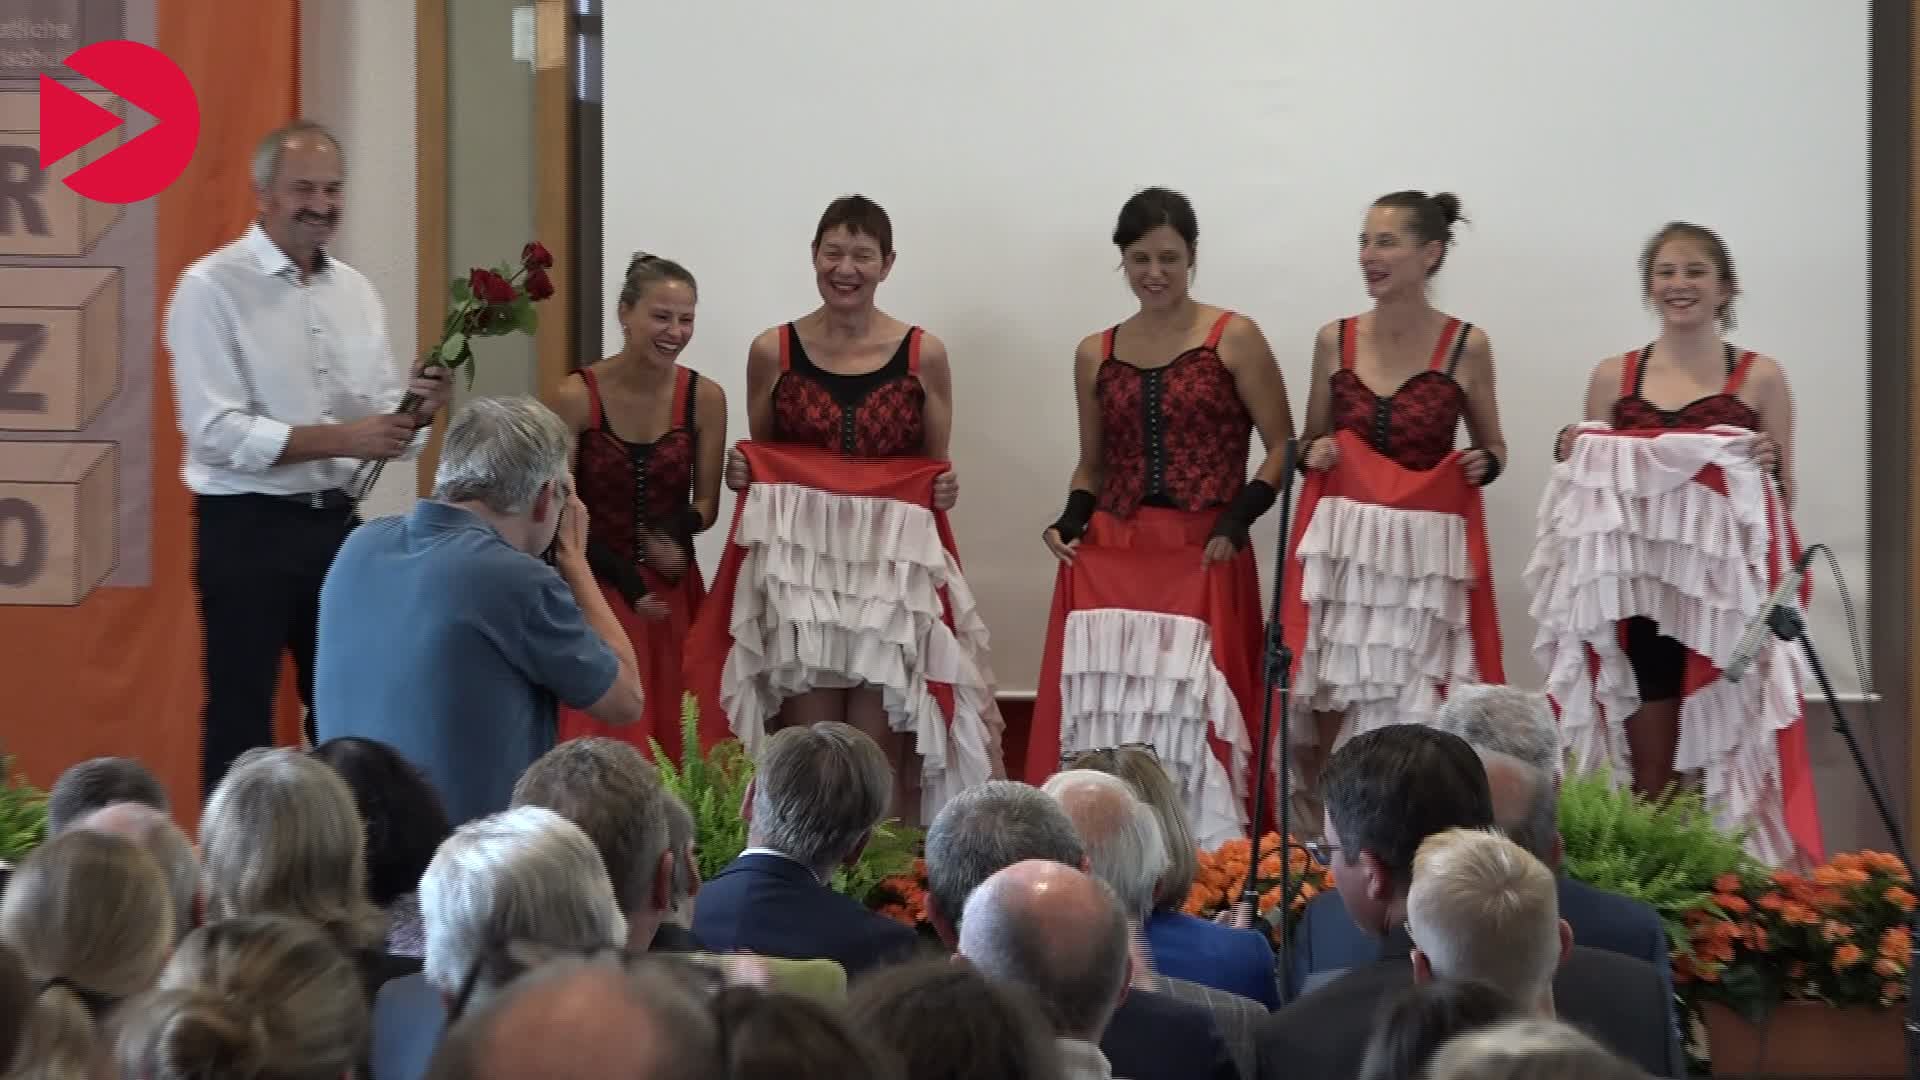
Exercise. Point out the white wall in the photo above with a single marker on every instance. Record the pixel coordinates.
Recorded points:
(1003, 136)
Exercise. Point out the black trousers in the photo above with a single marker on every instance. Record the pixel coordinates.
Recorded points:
(258, 565)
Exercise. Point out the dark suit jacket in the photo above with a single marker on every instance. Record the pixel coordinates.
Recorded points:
(1155, 1037)
(409, 1017)
(773, 906)
(671, 938)
(1326, 939)
(1238, 1019)
(1616, 999)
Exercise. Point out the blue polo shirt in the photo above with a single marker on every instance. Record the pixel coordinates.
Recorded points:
(442, 640)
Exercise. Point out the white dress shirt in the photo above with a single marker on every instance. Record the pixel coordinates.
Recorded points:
(1081, 1060)
(257, 352)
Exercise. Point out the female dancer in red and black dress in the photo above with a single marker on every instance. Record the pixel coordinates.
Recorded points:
(1392, 386)
(1153, 540)
(1687, 275)
(851, 380)
(649, 440)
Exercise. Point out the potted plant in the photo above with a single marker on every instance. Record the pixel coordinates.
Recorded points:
(23, 814)
(1799, 975)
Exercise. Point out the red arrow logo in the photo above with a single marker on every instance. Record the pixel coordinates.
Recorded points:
(144, 77)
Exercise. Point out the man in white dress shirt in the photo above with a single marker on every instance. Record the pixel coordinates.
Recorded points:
(285, 382)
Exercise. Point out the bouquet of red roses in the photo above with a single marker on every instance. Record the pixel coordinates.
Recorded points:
(486, 303)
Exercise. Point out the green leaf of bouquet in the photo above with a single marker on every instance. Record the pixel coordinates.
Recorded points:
(462, 290)
(451, 350)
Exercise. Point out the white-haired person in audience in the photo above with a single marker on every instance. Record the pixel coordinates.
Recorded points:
(525, 875)
(1239, 961)
(446, 633)
(1528, 1049)
(89, 785)
(994, 825)
(281, 836)
(1122, 839)
(1513, 732)
(1063, 935)
(264, 997)
(91, 920)
(154, 832)
(818, 792)
(1481, 908)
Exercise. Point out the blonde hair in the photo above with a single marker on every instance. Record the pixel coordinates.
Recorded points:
(1527, 1050)
(91, 919)
(282, 834)
(258, 997)
(1151, 783)
(1482, 908)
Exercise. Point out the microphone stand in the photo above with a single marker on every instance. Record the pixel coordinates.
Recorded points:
(1276, 675)
(1789, 625)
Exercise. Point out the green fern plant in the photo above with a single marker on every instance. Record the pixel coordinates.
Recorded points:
(713, 784)
(23, 813)
(1666, 853)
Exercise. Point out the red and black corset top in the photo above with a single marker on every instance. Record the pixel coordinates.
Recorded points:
(1414, 426)
(1175, 435)
(624, 484)
(1632, 412)
(879, 413)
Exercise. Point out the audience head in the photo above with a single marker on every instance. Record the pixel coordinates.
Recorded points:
(947, 1021)
(1482, 908)
(281, 835)
(1527, 1049)
(686, 863)
(1514, 733)
(774, 1036)
(1406, 239)
(818, 791)
(507, 457)
(613, 794)
(583, 1019)
(16, 1005)
(1120, 833)
(1421, 1018)
(1059, 933)
(89, 917)
(1140, 768)
(99, 782)
(1691, 261)
(526, 874)
(154, 832)
(987, 828)
(1386, 791)
(267, 997)
(399, 807)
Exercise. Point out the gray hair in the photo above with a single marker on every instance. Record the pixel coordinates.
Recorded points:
(987, 828)
(1536, 824)
(99, 782)
(500, 452)
(1120, 832)
(818, 790)
(1504, 720)
(526, 874)
(1527, 1049)
(156, 834)
(1077, 966)
(613, 793)
(1482, 908)
(680, 843)
(273, 146)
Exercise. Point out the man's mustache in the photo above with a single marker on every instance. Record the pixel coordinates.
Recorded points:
(330, 218)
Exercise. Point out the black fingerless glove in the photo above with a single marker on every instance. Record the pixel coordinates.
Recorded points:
(683, 525)
(1072, 524)
(613, 570)
(1256, 498)
(1494, 468)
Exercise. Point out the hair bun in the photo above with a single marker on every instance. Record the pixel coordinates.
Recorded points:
(1449, 206)
(208, 1035)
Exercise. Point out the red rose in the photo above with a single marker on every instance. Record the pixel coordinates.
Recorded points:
(489, 287)
(535, 256)
(539, 285)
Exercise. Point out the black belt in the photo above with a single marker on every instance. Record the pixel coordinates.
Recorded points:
(330, 499)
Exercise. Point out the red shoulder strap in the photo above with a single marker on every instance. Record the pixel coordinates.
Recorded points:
(1739, 373)
(913, 350)
(1219, 330)
(1106, 343)
(596, 413)
(682, 390)
(786, 346)
(1444, 347)
(1630, 374)
(1349, 340)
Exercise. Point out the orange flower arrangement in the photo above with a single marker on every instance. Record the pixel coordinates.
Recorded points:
(903, 897)
(1223, 875)
(1839, 934)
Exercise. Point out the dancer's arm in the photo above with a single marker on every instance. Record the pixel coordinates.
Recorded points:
(1263, 390)
(710, 417)
(936, 379)
(1773, 400)
(1602, 385)
(1064, 534)
(1318, 451)
(1475, 376)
